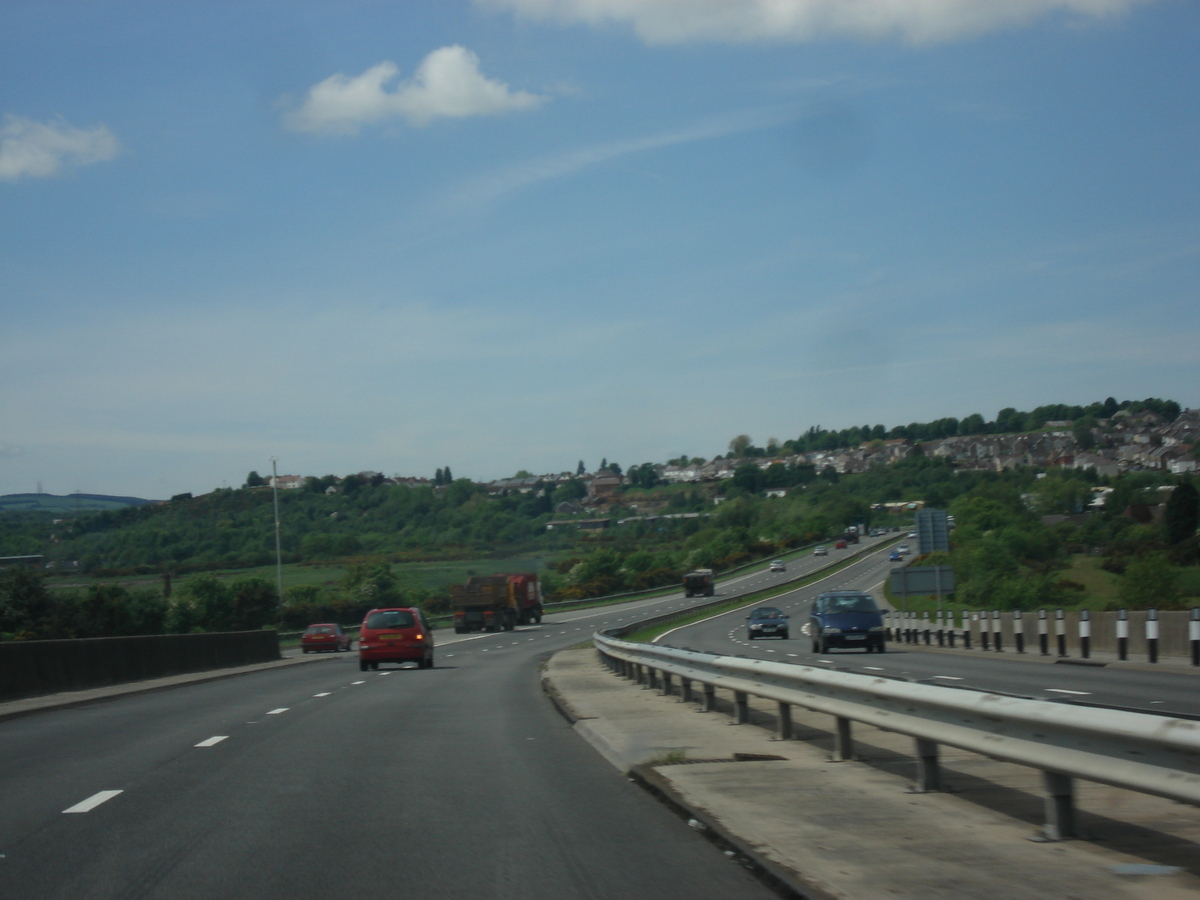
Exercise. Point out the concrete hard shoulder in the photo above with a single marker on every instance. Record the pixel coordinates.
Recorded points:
(67, 699)
(850, 830)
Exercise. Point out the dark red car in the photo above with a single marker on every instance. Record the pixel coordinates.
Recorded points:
(324, 636)
(395, 635)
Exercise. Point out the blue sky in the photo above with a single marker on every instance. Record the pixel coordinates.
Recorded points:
(510, 234)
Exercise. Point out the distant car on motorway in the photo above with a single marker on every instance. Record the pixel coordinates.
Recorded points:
(911, 534)
(821, 551)
(325, 637)
(767, 621)
(903, 550)
(840, 545)
(896, 556)
(846, 619)
(778, 566)
(395, 635)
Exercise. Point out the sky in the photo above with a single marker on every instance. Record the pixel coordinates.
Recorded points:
(513, 234)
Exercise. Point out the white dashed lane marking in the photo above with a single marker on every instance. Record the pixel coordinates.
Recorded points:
(212, 741)
(358, 682)
(276, 712)
(92, 802)
(322, 694)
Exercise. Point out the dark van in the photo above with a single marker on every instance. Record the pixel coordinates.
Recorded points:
(846, 619)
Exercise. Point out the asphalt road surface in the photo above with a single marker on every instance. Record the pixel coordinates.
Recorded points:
(321, 780)
(1162, 692)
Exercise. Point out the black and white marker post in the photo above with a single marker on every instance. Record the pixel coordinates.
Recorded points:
(1043, 637)
(1193, 635)
(1152, 634)
(1122, 634)
(996, 629)
(985, 638)
(1060, 631)
(1018, 631)
(1085, 633)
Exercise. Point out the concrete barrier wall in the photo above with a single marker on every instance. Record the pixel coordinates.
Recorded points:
(1173, 631)
(32, 668)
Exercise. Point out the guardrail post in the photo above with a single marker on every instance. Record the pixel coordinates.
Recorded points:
(685, 690)
(1152, 634)
(929, 771)
(652, 679)
(984, 629)
(951, 629)
(666, 684)
(1122, 634)
(1043, 636)
(925, 625)
(641, 673)
(710, 698)
(966, 623)
(941, 627)
(843, 741)
(1194, 635)
(996, 630)
(1060, 807)
(1060, 631)
(784, 729)
(1018, 631)
(1085, 633)
(741, 707)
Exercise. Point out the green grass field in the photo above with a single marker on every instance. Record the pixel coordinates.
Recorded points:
(434, 576)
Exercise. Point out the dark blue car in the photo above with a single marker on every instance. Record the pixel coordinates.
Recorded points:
(846, 619)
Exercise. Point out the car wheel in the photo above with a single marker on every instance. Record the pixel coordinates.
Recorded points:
(375, 666)
(749, 637)
(816, 647)
(784, 636)
(429, 662)
(362, 665)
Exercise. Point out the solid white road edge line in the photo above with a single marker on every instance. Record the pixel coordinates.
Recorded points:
(92, 802)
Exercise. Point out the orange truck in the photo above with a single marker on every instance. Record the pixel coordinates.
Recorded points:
(496, 602)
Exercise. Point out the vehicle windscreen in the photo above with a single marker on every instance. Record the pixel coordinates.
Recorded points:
(767, 614)
(319, 629)
(858, 603)
(390, 618)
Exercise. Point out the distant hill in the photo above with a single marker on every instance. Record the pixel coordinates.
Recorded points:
(68, 504)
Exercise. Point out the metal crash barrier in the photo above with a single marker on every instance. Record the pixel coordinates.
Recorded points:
(1142, 752)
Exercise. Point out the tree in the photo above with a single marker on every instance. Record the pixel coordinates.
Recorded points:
(254, 480)
(1182, 513)
(1149, 581)
(446, 476)
(24, 600)
(739, 445)
(748, 477)
(581, 469)
(438, 479)
(1082, 429)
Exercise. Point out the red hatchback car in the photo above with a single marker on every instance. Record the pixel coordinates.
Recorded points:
(324, 636)
(395, 635)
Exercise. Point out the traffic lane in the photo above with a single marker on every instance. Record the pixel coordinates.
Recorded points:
(1156, 692)
(751, 581)
(460, 780)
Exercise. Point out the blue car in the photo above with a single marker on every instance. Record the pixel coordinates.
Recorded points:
(896, 556)
(846, 619)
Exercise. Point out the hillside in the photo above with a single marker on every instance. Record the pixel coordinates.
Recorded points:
(71, 503)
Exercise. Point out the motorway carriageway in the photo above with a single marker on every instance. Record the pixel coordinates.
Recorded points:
(1160, 692)
(318, 779)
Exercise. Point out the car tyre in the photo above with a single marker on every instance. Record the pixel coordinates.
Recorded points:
(362, 665)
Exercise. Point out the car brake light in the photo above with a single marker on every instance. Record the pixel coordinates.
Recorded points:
(420, 637)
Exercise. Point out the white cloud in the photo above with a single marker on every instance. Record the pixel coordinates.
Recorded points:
(739, 21)
(30, 149)
(447, 84)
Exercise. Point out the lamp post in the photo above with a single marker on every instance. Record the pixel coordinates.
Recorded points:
(278, 554)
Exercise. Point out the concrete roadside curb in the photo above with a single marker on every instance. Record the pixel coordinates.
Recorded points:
(812, 826)
(68, 699)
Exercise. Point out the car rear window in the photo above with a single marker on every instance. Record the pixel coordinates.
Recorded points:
(319, 629)
(391, 618)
